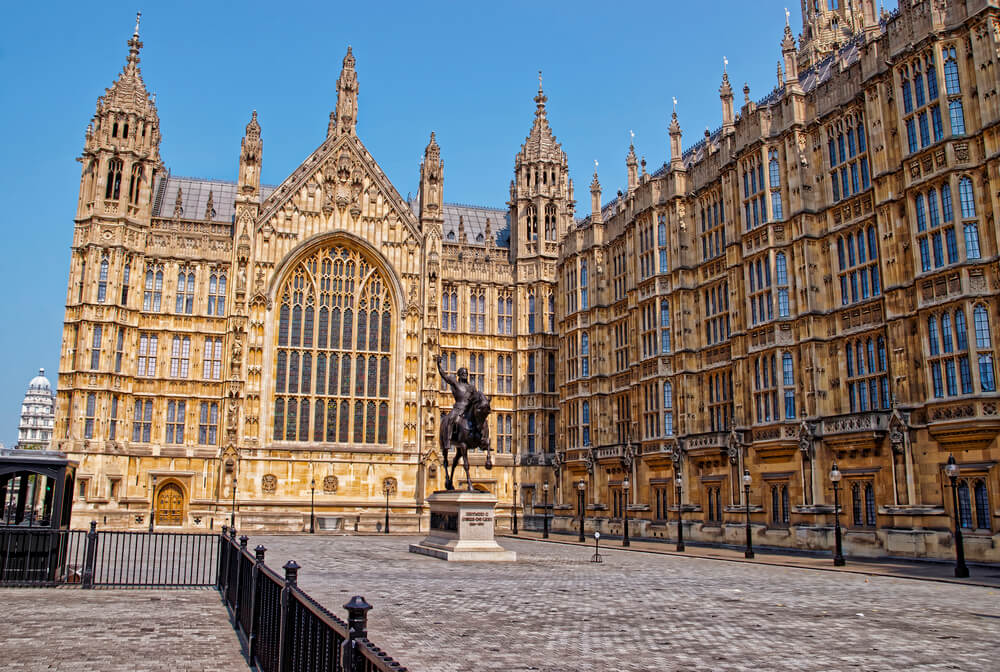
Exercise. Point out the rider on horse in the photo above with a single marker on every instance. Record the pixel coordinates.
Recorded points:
(465, 394)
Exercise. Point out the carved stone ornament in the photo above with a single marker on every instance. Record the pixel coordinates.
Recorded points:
(330, 484)
(628, 456)
(733, 444)
(557, 462)
(590, 459)
(269, 484)
(389, 485)
(806, 440)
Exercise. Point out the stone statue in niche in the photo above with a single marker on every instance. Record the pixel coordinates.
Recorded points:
(236, 358)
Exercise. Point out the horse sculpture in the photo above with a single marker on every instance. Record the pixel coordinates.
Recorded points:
(465, 426)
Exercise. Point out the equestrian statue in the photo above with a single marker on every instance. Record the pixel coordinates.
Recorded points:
(465, 425)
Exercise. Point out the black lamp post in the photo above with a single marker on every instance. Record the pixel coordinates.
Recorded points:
(513, 504)
(961, 570)
(680, 512)
(387, 488)
(580, 487)
(545, 510)
(152, 503)
(838, 553)
(312, 506)
(625, 489)
(748, 553)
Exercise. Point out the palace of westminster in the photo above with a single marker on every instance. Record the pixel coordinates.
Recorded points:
(814, 283)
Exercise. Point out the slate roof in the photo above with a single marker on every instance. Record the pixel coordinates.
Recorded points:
(474, 221)
(194, 197)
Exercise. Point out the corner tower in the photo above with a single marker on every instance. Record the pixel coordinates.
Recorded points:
(826, 26)
(541, 193)
(121, 150)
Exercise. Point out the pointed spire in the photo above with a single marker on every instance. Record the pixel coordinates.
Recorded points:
(675, 139)
(595, 198)
(781, 75)
(347, 97)
(128, 92)
(541, 143)
(790, 56)
(432, 151)
(540, 99)
(210, 206)
(251, 157)
(632, 163)
(726, 96)
(178, 204)
(134, 45)
(746, 93)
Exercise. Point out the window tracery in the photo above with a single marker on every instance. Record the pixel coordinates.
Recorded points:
(333, 351)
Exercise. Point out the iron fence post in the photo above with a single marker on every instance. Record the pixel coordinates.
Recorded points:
(89, 557)
(357, 628)
(285, 635)
(254, 604)
(239, 570)
(223, 580)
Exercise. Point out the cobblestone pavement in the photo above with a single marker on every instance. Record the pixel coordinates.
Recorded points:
(555, 611)
(116, 631)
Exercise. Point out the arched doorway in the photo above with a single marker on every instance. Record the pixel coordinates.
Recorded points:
(170, 505)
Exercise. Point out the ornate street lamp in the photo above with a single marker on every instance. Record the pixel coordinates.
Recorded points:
(513, 504)
(152, 504)
(961, 570)
(625, 488)
(387, 488)
(680, 515)
(838, 554)
(545, 510)
(580, 487)
(748, 553)
(312, 506)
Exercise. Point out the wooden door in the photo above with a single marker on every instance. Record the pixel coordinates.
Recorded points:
(170, 505)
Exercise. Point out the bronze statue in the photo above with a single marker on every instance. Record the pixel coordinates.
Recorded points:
(465, 425)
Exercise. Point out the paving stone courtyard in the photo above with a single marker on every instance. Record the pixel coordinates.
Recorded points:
(555, 611)
(116, 631)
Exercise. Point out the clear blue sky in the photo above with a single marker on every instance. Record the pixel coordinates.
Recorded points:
(465, 70)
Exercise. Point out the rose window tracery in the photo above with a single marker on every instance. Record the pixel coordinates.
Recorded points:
(333, 350)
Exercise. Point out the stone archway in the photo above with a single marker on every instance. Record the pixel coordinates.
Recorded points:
(170, 505)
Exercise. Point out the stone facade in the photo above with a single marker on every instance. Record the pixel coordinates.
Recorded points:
(765, 301)
(802, 288)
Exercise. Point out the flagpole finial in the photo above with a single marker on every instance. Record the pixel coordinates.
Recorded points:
(675, 104)
(725, 65)
(787, 16)
(138, 15)
(595, 165)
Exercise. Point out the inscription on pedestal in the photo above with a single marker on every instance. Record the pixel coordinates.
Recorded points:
(478, 518)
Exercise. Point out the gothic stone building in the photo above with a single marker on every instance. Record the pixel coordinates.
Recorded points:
(814, 283)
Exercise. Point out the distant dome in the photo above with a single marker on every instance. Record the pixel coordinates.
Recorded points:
(40, 382)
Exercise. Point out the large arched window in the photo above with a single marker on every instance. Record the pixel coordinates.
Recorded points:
(333, 353)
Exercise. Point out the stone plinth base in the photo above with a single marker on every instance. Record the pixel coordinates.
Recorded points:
(462, 528)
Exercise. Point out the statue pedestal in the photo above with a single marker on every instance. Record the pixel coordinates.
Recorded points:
(462, 528)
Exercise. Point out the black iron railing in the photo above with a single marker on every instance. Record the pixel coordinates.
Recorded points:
(282, 628)
(155, 559)
(46, 557)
